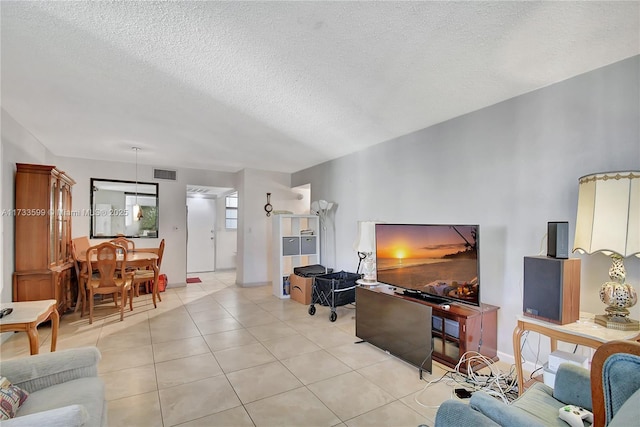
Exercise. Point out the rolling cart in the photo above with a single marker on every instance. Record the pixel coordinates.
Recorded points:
(333, 290)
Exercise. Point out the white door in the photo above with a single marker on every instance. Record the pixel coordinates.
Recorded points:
(201, 220)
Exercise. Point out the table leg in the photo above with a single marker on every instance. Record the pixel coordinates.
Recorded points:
(81, 300)
(55, 323)
(517, 355)
(32, 332)
(155, 291)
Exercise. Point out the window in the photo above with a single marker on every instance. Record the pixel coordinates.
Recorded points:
(231, 211)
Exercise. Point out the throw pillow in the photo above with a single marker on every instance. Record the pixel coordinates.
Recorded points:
(11, 398)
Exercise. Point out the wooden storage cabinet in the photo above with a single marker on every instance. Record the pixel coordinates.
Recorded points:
(460, 329)
(42, 235)
(296, 243)
(454, 331)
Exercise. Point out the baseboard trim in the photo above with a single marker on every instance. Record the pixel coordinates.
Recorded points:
(508, 358)
(252, 285)
(176, 285)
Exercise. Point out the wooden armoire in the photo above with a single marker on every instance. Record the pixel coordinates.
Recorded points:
(43, 214)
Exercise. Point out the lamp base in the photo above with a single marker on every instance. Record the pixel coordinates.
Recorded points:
(619, 323)
(367, 282)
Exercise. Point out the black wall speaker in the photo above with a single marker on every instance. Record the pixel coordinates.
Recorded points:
(552, 289)
(558, 239)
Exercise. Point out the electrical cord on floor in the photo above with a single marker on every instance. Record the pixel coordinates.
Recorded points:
(481, 328)
(537, 353)
(496, 384)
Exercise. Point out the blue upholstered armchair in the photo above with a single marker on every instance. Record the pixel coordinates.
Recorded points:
(611, 391)
(615, 384)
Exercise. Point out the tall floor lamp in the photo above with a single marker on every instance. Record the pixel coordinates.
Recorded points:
(608, 221)
(322, 208)
(365, 246)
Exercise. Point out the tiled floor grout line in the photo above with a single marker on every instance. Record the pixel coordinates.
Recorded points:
(237, 303)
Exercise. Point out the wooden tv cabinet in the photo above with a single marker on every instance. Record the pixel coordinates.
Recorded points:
(455, 330)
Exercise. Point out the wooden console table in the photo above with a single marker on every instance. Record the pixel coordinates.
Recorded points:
(584, 332)
(27, 315)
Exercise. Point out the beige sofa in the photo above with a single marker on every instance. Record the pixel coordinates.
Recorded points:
(64, 389)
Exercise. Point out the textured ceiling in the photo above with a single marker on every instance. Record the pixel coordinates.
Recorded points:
(282, 85)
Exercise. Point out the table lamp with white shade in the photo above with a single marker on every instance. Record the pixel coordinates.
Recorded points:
(365, 245)
(608, 221)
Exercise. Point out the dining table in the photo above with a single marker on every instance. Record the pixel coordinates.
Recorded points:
(135, 259)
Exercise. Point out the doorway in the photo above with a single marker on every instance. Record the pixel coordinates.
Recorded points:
(202, 227)
(201, 234)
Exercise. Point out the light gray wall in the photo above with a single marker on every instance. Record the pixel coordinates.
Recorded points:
(18, 146)
(511, 168)
(254, 226)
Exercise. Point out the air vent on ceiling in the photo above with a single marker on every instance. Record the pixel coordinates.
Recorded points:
(164, 174)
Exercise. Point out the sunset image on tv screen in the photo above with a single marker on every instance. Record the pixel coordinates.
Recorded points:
(436, 259)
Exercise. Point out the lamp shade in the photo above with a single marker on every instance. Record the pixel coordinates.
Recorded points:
(608, 218)
(366, 237)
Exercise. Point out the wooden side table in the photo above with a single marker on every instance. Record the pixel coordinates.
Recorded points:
(584, 332)
(26, 317)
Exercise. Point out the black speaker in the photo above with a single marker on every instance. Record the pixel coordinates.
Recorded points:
(558, 240)
(552, 289)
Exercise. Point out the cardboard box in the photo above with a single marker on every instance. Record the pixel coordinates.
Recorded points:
(301, 288)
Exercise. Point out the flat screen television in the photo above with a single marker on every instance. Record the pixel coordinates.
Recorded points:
(437, 262)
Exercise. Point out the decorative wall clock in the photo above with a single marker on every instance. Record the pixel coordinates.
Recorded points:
(268, 208)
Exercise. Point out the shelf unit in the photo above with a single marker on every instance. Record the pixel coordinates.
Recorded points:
(43, 215)
(292, 247)
(463, 328)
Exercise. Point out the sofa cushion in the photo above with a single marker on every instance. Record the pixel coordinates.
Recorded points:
(11, 398)
(573, 386)
(88, 392)
(536, 407)
(538, 401)
(67, 416)
(503, 415)
(456, 413)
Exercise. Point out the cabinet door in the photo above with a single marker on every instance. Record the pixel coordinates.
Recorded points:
(65, 222)
(34, 287)
(446, 337)
(53, 193)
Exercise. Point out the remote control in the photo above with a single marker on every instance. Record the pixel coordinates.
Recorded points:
(5, 312)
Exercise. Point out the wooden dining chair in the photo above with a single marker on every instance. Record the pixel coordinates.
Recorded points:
(147, 275)
(129, 245)
(111, 277)
(79, 247)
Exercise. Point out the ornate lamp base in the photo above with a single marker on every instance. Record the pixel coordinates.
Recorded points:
(618, 296)
(615, 322)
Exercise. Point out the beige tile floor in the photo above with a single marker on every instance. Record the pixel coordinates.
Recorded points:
(214, 354)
